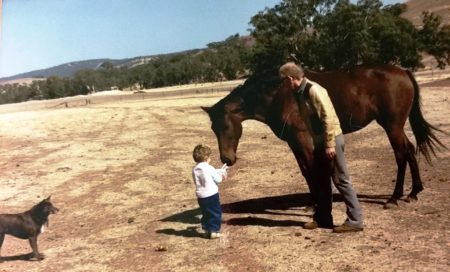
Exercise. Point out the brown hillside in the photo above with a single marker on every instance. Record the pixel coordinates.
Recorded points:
(416, 7)
(21, 81)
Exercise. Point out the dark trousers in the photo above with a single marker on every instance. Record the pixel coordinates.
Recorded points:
(322, 171)
(212, 213)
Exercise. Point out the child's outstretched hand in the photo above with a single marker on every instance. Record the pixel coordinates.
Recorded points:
(224, 171)
(225, 167)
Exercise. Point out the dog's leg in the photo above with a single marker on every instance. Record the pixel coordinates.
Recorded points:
(2, 238)
(33, 244)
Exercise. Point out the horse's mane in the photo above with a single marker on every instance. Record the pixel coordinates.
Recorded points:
(250, 93)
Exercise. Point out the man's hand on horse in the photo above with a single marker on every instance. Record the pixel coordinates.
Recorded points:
(330, 152)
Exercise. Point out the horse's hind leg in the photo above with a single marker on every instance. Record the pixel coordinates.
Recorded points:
(404, 153)
(417, 186)
(399, 144)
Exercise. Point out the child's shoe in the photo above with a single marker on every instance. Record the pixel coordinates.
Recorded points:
(214, 235)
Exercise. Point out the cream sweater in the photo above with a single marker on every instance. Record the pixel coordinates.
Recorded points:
(319, 114)
(206, 179)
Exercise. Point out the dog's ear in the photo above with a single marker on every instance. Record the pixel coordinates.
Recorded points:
(48, 198)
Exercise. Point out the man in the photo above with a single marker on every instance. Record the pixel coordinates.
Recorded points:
(323, 124)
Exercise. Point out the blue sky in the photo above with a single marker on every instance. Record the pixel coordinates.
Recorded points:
(38, 34)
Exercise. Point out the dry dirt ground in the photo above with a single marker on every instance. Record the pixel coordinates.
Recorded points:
(120, 172)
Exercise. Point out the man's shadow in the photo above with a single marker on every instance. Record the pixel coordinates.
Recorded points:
(284, 205)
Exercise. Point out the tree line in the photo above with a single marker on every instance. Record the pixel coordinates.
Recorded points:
(321, 34)
(335, 34)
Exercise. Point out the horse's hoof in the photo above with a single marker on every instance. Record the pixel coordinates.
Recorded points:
(390, 205)
(411, 198)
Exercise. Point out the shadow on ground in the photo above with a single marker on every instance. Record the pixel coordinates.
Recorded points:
(189, 232)
(273, 205)
(21, 257)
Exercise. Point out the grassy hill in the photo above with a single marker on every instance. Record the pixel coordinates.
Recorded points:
(416, 7)
(68, 69)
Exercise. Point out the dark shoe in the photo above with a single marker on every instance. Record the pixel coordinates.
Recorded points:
(346, 228)
(314, 225)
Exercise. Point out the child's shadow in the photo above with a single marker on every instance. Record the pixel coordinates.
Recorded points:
(189, 232)
(188, 217)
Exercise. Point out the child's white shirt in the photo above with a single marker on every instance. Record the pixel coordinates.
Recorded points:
(206, 179)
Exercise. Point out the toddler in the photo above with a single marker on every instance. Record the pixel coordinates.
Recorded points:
(206, 179)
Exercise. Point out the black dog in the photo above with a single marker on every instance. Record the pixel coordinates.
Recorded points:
(27, 225)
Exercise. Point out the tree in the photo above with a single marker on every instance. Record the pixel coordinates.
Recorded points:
(365, 33)
(53, 87)
(287, 29)
(87, 80)
(336, 34)
(435, 38)
(107, 65)
(229, 57)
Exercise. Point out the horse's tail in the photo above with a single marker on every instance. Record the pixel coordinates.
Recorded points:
(423, 131)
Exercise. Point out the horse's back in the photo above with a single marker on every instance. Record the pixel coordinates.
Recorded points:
(367, 93)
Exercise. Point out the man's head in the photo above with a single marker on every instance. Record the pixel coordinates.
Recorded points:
(291, 74)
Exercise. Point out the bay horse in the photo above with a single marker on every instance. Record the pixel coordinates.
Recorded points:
(386, 93)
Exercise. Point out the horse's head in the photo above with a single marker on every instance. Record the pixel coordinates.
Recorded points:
(228, 129)
(247, 101)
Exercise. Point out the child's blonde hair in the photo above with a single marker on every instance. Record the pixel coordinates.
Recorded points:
(201, 153)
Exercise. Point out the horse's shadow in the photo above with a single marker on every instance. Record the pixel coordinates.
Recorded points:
(284, 205)
(21, 257)
(265, 205)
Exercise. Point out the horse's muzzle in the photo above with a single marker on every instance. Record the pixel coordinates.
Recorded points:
(228, 161)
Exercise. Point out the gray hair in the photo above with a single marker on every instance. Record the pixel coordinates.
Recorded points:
(291, 69)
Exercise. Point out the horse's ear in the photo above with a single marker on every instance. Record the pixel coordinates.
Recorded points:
(206, 109)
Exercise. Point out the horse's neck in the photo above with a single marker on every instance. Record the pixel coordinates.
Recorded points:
(241, 116)
(314, 76)
(257, 111)
(254, 101)
(258, 116)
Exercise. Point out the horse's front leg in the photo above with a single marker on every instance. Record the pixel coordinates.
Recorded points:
(304, 161)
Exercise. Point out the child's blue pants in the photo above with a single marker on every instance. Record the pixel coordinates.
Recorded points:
(212, 213)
